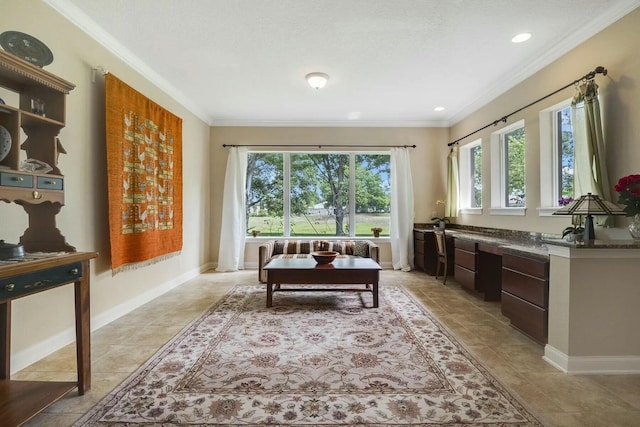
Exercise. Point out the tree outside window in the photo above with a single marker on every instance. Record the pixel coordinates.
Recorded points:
(513, 144)
(476, 176)
(566, 159)
(311, 194)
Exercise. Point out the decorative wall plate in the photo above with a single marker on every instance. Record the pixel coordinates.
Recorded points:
(5, 142)
(26, 47)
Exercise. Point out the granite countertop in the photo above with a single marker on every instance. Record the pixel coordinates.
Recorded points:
(527, 243)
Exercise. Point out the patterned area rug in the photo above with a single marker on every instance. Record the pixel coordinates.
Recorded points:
(314, 359)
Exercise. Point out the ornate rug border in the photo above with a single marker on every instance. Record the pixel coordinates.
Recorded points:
(156, 358)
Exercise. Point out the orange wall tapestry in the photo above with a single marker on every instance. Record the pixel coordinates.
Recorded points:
(144, 167)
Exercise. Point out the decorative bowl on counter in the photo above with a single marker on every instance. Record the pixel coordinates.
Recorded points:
(324, 257)
(10, 250)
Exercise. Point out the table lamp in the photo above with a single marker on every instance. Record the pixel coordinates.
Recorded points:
(588, 205)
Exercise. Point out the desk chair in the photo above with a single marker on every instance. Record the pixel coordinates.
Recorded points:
(441, 247)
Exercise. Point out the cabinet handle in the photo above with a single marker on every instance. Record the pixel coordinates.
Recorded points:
(74, 271)
(18, 178)
(50, 182)
(33, 285)
(37, 195)
(10, 287)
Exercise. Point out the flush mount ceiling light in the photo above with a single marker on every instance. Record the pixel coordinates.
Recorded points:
(439, 109)
(522, 37)
(317, 80)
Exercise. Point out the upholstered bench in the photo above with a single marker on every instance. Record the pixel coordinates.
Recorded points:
(302, 248)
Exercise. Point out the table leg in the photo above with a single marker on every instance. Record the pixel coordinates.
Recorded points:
(5, 340)
(375, 293)
(269, 293)
(83, 330)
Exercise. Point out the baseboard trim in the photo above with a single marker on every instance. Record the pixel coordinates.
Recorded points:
(32, 354)
(591, 365)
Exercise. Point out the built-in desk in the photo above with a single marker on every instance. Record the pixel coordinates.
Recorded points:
(21, 400)
(515, 272)
(425, 256)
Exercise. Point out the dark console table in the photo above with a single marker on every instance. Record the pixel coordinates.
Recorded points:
(21, 400)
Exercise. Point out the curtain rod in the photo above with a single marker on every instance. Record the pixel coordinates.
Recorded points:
(589, 76)
(321, 146)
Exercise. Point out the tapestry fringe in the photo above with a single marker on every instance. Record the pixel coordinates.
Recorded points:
(137, 265)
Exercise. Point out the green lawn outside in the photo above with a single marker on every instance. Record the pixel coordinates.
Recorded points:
(318, 225)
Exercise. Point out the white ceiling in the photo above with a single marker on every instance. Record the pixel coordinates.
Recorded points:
(243, 62)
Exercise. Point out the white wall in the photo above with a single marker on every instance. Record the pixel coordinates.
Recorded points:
(43, 322)
(428, 164)
(615, 48)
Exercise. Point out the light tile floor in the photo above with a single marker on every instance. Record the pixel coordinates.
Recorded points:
(563, 400)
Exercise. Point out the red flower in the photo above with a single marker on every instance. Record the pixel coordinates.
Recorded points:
(628, 188)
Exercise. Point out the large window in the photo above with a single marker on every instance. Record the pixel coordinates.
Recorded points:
(508, 195)
(557, 157)
(312, 194)
(471, 177)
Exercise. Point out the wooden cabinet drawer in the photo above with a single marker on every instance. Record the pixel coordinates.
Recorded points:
(528, 318)
(466, 259)
(49, 183)
(467, 245)
(465, 277)
(23, 284)
(10, 179)
(529, 288)
(535, 267)
(418, 235)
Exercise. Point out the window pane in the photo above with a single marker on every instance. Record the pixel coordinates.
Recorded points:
(476, 177)
(264, 194)
(319, 194)
(566, 150)
(514, 176)
(373, 193)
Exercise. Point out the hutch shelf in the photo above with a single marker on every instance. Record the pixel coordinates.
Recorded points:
(30, 177)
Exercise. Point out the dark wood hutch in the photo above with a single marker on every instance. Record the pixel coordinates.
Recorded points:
(38, 186)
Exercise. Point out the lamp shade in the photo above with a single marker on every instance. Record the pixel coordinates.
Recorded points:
(590, 204)
(317, 80)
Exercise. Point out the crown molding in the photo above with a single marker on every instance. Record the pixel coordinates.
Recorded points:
(78, 18)
(330, 123)
(547, 56)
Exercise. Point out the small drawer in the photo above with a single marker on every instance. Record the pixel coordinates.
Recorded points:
(466, 278)
(532, 266)
(465, 259)
(16, 180)
(418, 235)
(49, 183)
(529, 288)
(530, 319)
(467, 245)
(27, 283)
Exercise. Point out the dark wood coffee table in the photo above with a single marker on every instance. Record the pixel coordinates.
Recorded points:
(305, 271)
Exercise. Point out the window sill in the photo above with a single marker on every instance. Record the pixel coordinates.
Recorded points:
(508, 211)
(547, 211)
(471, 211)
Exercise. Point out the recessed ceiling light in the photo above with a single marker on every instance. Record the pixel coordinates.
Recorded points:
(522, 37)
(438, 109)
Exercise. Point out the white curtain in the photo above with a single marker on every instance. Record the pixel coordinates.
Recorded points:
(401, 229)
(591, 174)
(233, 228)
(453, 186)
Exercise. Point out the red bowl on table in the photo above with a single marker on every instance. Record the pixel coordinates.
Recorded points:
(324, 257)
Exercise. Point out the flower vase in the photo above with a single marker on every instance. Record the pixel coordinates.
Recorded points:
(634, 227)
